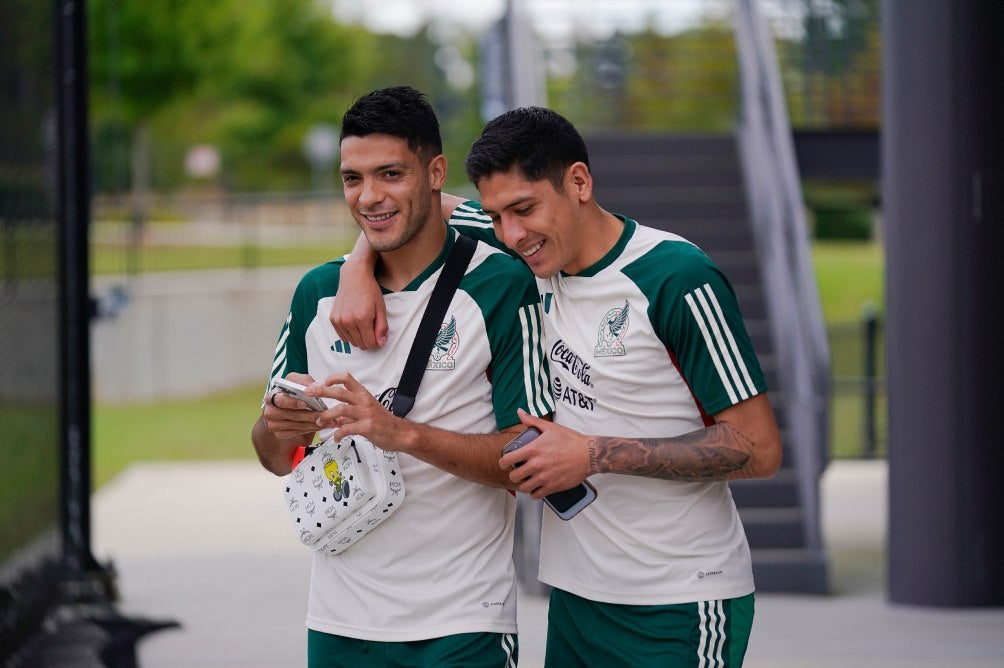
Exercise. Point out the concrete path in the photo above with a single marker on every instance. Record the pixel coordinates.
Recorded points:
(208, 545)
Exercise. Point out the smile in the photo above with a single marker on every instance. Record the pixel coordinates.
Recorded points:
(532, 249)
(377, 218)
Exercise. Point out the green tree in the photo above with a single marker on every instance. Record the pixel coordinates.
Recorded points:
(832, 70)
(652, 81)
(248, 76)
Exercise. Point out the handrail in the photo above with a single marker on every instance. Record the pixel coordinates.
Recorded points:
(782, 241)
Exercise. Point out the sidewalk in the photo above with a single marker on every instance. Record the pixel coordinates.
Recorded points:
(208, 545)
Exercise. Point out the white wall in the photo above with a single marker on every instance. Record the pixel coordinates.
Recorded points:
(189, 333)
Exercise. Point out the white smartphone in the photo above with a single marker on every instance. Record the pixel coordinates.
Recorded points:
(297, 391)
(567, 503)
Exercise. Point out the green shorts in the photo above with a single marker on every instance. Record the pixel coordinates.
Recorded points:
(706, 634)
(463, 650)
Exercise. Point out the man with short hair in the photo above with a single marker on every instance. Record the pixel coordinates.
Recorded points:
(433, 585)
(659, 399)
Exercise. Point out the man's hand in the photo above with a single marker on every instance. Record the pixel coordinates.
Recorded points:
(556, 460)
(360, 414)
(288, 418)
(284, 425)
(358, 313)
(469, 456)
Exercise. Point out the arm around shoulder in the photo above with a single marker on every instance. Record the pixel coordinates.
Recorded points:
(449, 203)
(358, 313)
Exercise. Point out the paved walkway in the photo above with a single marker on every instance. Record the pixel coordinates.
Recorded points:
(208, 545)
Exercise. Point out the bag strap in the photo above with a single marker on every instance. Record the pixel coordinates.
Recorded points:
(442, 294)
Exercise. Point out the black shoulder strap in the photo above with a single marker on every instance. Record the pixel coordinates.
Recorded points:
(442, 294)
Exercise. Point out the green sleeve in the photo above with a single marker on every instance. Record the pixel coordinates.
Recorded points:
(518, 368)
(471, 221)
(694, 312)
(291, 348)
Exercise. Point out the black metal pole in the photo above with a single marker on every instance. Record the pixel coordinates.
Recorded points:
(85, 577)
(870, 336)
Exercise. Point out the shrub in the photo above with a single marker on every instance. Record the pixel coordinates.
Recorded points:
(842, 222)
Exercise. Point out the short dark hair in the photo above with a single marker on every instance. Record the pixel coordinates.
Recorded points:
(539, 142)
(399, 111)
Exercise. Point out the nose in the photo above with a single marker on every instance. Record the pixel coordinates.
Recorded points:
(369, 193)
(509, 231)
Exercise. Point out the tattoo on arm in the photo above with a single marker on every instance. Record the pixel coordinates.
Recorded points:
(720, 452)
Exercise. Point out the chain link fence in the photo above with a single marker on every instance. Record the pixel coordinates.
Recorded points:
(30, 493)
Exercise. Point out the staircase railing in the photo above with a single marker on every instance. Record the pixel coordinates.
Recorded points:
(781, 236)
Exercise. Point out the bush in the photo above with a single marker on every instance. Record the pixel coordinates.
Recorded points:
(842, 222)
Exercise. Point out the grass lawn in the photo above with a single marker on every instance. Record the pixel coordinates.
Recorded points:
(850, 275)
(218, 426)
(212, 427)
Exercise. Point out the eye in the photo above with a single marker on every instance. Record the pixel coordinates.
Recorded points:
(348, 179)
(524, 211)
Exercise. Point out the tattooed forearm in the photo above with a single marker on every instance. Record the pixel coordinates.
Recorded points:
(719, 452)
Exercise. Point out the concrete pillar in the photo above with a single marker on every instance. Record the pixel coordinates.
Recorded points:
(942, 188)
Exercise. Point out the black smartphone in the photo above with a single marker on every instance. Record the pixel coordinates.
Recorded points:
(566, 503)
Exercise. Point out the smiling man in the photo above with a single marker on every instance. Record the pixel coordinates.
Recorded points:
(659, 400)
(434, 584)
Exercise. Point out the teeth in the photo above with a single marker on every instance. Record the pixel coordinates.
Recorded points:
(533, 249)
(378, 218)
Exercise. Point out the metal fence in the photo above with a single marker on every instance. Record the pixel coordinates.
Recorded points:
(183, 232)
(30, 386)
(858, 424)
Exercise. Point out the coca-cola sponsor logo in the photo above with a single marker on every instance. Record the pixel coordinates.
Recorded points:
(565, 357)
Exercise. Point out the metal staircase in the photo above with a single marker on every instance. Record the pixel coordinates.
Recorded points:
(693, 185)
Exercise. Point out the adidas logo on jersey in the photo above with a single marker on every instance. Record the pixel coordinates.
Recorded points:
(340, 346)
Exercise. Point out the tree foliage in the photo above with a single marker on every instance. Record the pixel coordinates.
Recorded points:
(832, 72)
(250, 77)
(651, 81)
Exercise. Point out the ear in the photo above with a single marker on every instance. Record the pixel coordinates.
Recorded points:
(579, 181)
(437, 172)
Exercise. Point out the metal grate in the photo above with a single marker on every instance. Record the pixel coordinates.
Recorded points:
(30, 496)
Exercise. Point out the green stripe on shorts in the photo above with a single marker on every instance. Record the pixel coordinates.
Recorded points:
(462, 650)
(706, 634)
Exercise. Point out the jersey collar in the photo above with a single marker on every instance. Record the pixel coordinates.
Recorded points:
(451, 239)
(613, 253)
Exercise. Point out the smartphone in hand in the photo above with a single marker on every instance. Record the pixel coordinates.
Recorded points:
(566, 503)
(297, 391)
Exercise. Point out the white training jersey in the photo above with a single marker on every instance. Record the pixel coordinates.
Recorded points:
(647, 342)
(442, 564)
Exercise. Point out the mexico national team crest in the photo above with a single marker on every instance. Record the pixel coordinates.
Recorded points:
(444, 351)
(610, 338)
